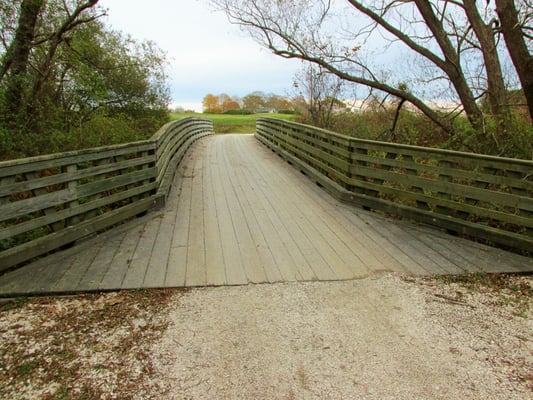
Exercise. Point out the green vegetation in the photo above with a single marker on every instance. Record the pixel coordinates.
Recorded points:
(230, 123)
(69, 82)
(414, 128)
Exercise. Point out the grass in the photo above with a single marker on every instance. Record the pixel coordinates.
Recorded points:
(227, 123)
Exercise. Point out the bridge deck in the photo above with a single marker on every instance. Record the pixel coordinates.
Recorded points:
(241, 215)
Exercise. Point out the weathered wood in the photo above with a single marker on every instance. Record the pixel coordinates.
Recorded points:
(280, 224)
(75, 210)
(55, 240)
(483, 196)
(51, 200)
(40, 163)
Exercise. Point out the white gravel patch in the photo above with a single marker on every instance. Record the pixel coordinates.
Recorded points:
(377, 338)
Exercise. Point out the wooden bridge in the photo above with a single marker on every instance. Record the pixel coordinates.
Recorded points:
(236, 213)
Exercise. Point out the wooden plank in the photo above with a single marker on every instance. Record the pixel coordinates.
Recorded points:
(280, 241)
(309, 234)
(39, 163)
(140, 256)
(132, 171)
(407, 162)
(98, 268)
(326, 216)
(216, 270)
(233, 263)
(272, 254)
(234, 175)
(435, 202)
(34, 204)
(451, 188)
(27, 251)
(156, 271)
(118, 267)
(464, 227)
(19, 282)
(266, 261)
(196, 267)
(77, 210)
(387, 246)
(177, 263)
(77, 174)
(310, 264)
(268, 205)
(107, 184)
(377, 255)
(82, 257)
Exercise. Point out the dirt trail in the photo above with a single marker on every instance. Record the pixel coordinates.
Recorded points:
(375, 338)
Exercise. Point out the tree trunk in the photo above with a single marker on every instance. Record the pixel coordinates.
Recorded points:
(496, 91)
(19, 55)
(451, 65)
(514, 39)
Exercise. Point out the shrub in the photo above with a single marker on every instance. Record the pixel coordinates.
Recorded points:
(238, 112)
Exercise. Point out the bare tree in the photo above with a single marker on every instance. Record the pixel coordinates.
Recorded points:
(455, 42)
(320, 90)
(518, 33)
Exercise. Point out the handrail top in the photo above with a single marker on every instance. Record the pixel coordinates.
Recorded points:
(171, 124)
(74, 153)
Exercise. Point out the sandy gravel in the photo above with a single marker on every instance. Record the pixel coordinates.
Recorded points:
(378, 338)
(382, 337)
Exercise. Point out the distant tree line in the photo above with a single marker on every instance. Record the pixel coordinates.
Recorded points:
(67, 81)
(255, 102)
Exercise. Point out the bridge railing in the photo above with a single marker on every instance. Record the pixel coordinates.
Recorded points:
(474, 195)
(50, 201)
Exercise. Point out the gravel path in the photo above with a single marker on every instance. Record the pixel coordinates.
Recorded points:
(382, 337)
(378, 338)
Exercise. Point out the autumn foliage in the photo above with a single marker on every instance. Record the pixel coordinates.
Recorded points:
(219, 103)
(251, 103)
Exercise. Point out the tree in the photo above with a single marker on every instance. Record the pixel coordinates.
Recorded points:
(276, 102)
(518, 34)
(219, 103)
(16, 59)
(210, 103)
(226, 103)
(253, 101)
(440, 47)
(60, 68)
(320, 90)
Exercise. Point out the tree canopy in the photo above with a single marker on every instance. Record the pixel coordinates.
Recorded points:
(416, 51)
(67, 81)
(253, 102)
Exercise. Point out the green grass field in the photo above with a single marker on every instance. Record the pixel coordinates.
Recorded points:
(227, 123)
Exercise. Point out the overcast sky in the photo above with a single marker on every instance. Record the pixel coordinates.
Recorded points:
(207, 54)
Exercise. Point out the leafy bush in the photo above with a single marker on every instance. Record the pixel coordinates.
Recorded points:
(415, 129)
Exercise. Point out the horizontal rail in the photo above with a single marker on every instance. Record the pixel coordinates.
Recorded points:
(50, 201)
(474, 195)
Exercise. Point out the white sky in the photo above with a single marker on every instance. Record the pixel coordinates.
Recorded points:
(207, 54)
